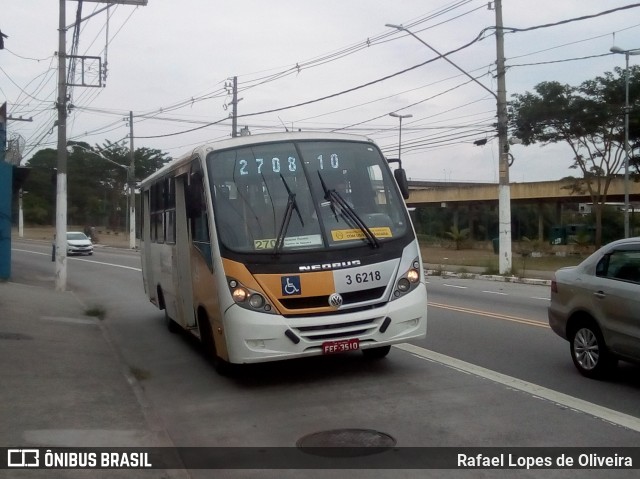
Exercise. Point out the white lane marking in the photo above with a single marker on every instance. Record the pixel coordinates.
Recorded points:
(496, 292)
(454, 286)
(110, 264)
(606, 414)
(81, 259)
(542, 299)
(32, 252)
(70, 320)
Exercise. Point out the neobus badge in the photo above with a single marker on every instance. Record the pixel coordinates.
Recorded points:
(327, 266)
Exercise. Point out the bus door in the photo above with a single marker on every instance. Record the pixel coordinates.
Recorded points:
(182, 258)
(203, 280)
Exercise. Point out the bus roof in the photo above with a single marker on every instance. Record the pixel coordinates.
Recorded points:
(241, 141)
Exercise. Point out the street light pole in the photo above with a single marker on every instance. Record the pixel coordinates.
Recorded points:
(396, 115)
(626, 53)
(504, 189)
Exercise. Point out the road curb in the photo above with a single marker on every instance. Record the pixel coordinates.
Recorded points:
(488, 277)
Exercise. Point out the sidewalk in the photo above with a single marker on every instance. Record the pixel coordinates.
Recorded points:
(65, 385)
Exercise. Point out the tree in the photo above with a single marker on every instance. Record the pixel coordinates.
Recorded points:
(96, 188)
(458, 236)
(40, 188)
(589, 118)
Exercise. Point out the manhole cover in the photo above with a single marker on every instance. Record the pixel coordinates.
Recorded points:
(14, 336)
(346, 442)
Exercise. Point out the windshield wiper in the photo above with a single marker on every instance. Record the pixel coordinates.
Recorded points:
(335, 198)
(291, 205)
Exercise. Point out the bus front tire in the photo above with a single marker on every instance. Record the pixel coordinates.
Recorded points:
(221, 366)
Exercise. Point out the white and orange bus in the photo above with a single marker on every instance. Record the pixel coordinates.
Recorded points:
(286, 245)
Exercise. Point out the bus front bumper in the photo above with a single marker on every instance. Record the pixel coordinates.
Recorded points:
(254, 337)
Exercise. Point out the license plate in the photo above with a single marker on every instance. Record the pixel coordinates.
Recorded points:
(343, 346)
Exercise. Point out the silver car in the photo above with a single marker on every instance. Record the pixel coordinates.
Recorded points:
(78, 243)
(596, 307)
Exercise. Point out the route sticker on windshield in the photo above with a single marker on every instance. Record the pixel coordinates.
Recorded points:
(355, 234)
(289, 242)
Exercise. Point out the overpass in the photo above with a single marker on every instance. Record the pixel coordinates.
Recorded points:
(424, 193)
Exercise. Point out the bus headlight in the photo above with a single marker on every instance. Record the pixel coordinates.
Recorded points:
(404, 285)
(413, 275)
(256, 301)
(407, 281)
(248, 298)
(239, 294)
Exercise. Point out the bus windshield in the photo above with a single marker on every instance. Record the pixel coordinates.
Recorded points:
(304, 195)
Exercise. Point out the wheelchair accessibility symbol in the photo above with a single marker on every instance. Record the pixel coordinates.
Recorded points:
(290, 285)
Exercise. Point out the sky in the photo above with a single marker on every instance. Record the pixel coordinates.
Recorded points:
(329, 65)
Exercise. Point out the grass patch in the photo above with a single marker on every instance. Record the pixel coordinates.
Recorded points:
(439, 258)
(491, 268)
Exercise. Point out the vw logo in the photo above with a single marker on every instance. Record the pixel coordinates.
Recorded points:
(335, 300)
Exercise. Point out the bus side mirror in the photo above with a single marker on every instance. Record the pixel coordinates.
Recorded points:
(401, 178)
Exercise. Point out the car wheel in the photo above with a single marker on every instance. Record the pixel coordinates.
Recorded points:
(589, 352)
(376, 353)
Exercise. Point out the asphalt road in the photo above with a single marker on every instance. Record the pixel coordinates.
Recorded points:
(490, 373)
(503, 327)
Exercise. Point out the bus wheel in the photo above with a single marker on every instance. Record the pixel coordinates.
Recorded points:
(376, 353)
(221, 366)
(171, 324)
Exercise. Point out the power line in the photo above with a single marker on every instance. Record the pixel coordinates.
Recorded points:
(560, 61)
(571, 20)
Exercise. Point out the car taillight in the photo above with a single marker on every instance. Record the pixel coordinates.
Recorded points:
(554, 286)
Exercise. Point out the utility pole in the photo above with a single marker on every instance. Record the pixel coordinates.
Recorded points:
(504, 192)
(234, 111)
(6, 184)
(131, 180)
(61, 182)
(504, 189)
(60, 253)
